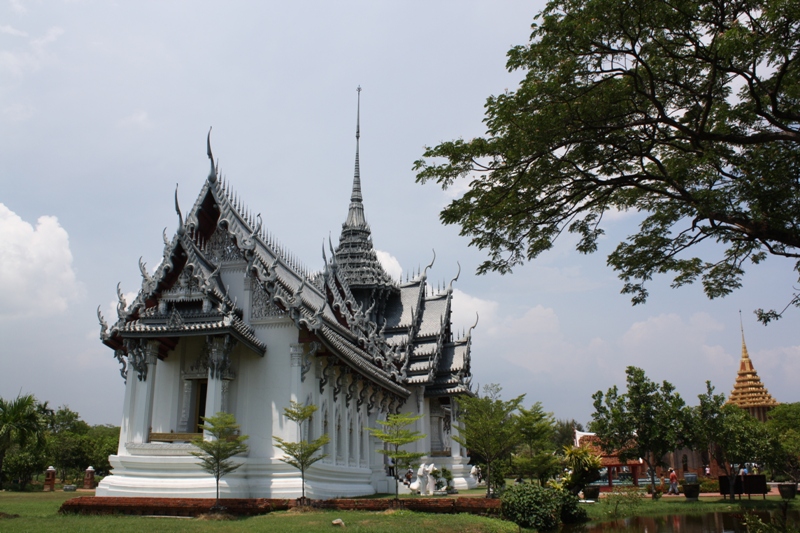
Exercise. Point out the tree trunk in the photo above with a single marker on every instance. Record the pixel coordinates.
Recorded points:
(488, 479)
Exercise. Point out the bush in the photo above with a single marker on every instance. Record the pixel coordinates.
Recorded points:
(570, 510)
(531, 506)
(623, 500)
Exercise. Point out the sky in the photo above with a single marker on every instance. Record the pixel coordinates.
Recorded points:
(104, 110)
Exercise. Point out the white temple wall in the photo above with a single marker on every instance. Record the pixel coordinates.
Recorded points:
(262, 389)
(166, 394)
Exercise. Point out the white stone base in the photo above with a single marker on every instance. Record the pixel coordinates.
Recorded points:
(166, 476)
(460, 468)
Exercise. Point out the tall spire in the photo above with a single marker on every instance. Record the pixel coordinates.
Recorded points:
(356, 196)
(748, 391)
(355, 255)
(355, 215)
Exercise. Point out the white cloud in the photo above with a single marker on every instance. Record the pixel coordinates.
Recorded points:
(36, 275)
(18, 112)
(8, 30)
(390, 264)
(17, 6)
(110, 314)
(50, 36)
(465, 308)
(20, 61)
(139, 119)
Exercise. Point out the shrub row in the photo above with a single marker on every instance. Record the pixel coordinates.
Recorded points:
(102, 505)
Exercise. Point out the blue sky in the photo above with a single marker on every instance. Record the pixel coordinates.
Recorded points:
(104, 107)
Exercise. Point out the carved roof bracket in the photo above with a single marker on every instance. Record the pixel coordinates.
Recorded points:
(351, 390)
(326, 362)
(308, 359)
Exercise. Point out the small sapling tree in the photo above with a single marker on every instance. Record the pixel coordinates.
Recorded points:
(489, 427)
(225, 442)
(301, 454)
(394, 433)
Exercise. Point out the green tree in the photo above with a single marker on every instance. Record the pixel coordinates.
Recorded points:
(646, 422)
(564, 433)
(20, 424)
(66, 444)
(215, 454)
(583, 465)
(729, 434)
(489, 427)
(100, 442)
(535, 458)
(394, 433)
(301, 454)
(687, 112)
(783, 422)
(21, 464)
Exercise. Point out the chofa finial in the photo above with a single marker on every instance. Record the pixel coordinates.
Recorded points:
(178, 210)
(212, 174)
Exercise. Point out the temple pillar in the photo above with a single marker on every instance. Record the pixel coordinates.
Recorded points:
(219, 374)
(296, 354)
(143, 357)
(455, 448)
(127, 411)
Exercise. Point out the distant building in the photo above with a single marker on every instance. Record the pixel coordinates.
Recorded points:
(748, 391)
(231, 321)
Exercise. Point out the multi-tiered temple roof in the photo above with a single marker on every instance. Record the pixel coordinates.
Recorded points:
(748, 391)
(394, 335)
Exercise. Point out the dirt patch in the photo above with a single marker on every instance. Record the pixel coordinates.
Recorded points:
(216, 517)
(300, 509)
(6, 515)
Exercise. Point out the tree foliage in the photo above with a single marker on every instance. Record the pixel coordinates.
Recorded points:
(215, 454)
(583, 465)
(67, 445)
(20, 424)
(393, 432)
(783, 422)
(647, 421)
(688, 112)
(534, 458)
(303, 453)
(489, 427)
(729, 434)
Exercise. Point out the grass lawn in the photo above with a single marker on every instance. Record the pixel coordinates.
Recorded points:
(38, 512)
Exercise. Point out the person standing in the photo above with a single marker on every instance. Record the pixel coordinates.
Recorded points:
(673, 482)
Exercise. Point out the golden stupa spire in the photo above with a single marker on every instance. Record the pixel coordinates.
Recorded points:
(748, 391)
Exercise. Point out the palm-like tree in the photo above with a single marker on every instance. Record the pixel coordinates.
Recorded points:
(20, 423)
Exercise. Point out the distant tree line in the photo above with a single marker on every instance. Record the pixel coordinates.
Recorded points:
(650, 420)
(33, 436)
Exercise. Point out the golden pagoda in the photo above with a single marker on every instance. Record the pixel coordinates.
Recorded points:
(748, 391)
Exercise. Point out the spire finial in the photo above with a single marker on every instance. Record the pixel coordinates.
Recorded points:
(356, 195)
(745, 355)
(358, 116)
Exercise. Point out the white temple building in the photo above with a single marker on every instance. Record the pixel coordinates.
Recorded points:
(229, 321)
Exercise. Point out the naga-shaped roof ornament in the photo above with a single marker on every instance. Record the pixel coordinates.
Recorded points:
(473, 326)
(212, 174)
(121, 304)
(178, 211)
(425, 272)
(103, 325)
(450, 287)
